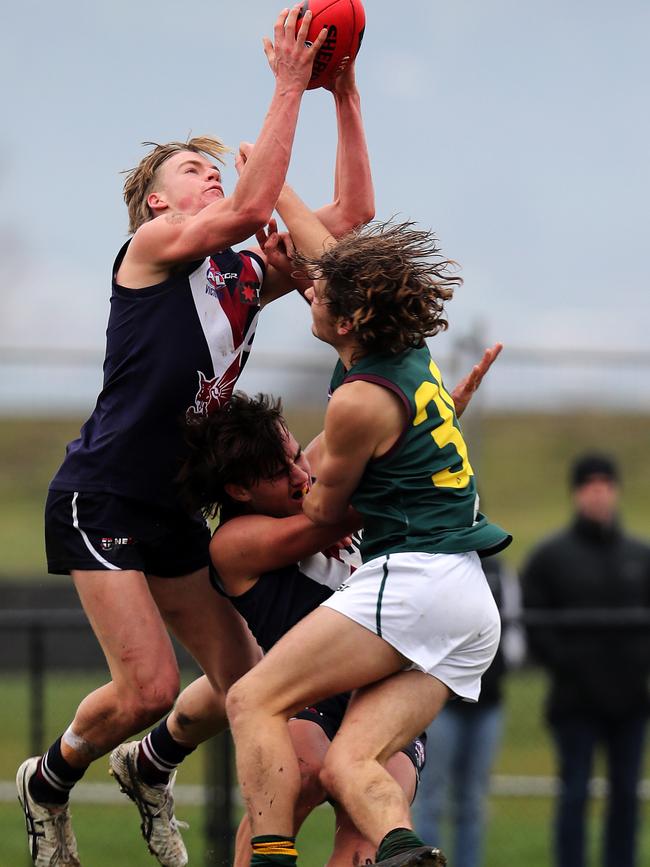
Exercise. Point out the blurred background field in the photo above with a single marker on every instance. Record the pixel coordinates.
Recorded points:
(521, 461)
(485, 123)
(518, 829)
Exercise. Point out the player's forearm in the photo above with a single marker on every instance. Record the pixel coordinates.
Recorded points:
(354, 195)
(265, 171)
(354, 187)
(309, 235)
(324, 505)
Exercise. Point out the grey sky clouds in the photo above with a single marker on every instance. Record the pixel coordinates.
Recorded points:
(519, 131)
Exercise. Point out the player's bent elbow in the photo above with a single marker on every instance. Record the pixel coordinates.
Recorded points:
(351, 218)
(359, 212)
(365, 215)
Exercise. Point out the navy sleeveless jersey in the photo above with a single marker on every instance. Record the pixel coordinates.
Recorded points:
(174, 351)
(279, 599)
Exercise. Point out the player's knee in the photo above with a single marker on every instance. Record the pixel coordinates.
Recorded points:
(332, 772)
(151, 701)
(340, 761)
(240, 703)
(184, 723)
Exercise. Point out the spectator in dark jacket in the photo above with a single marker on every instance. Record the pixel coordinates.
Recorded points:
(597, 658)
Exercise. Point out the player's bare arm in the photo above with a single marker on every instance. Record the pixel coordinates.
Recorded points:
(468, 386)
(462, 395)
(354, 195)
(163, 242)
(281, 276)
(247, 546)
(354, 199)
(363, 421)
(308, 233)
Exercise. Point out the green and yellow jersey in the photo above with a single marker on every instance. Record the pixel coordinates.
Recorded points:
(421, 495)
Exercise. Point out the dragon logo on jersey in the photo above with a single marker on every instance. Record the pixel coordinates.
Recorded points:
(212, 394)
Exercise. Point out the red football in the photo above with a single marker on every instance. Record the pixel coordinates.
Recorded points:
(345, 21)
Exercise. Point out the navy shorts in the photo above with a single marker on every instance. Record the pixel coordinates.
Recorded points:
(328, 714)
(90, 531)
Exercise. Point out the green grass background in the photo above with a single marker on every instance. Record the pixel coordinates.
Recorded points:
(108, 835)
(521, 462)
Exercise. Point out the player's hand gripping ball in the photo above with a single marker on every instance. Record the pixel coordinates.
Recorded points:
(345, 21)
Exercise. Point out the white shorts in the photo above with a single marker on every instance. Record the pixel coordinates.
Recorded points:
(437, 610)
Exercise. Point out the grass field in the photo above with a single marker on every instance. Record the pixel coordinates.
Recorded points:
(518, 831)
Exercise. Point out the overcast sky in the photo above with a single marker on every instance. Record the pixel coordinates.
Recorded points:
(519, 131)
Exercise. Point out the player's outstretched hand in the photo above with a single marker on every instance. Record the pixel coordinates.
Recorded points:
(277, 247)
(245, 150)
(343, 544)
(466, 388)
(290, 56)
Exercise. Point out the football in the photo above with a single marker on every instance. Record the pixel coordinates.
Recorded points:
(345, 21)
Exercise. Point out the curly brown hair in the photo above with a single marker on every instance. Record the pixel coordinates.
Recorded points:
(141, 179)
(389, 281)
(240, 443)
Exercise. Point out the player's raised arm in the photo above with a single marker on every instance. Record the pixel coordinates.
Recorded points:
(354, 199)
(187, 231)
(354, 195)
(469, 385)
(309, 234)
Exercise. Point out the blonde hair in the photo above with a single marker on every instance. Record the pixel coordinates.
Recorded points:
(140, 180)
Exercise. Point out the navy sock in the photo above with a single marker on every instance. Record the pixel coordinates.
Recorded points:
(159, 755)
(54, 777)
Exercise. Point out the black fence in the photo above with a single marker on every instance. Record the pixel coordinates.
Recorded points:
(74, 647)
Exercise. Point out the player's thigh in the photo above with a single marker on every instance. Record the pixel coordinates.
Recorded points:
(310, 744)
(128, 626)
(207, 625)
(389, 714)
(309, 741)
(402, 770)
(324, 654)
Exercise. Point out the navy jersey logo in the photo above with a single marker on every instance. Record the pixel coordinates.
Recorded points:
(215, 282)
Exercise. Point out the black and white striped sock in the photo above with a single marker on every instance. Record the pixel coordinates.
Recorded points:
(159, 755)
(54, 777)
